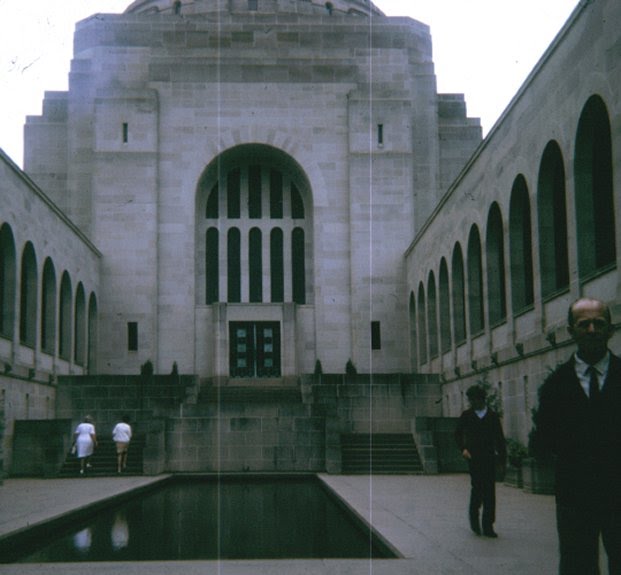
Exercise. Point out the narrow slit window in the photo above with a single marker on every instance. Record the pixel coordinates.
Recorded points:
(233, 194)
(276, 198)
(132, 336)
(297, 265)
(212, 266)
(277, 265)
(380, 134)
(376, 335)
(125, 132)
(255, 265)
(254, 192)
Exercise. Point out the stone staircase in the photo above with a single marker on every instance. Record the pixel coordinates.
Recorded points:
(103, 460)
(379, 453)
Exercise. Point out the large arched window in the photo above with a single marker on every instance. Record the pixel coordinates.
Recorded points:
(65, 318)
(28, 297)
(92, 333)
(475, 282)
(422, 328)
(521, 246)
(413, 338)
(79, 338)
(261, 193)
(7, 281)
(552, 216)
(445, 309)
(458, 293)
(496, 289)
(48, 308)
(594, 195)
(432, 316)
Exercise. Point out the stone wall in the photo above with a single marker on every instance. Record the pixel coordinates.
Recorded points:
(31, 221)
(40, 447)
(23, 399)
(108, 398)
(435, 439)
(369, 404)
(276, 429)
(298, 436)
(148, 400)
(246, 437)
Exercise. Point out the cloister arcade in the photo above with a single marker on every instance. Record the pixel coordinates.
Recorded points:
(511, 262)
(44, 309)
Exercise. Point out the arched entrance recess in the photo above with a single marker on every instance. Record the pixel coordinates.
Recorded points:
(254, 253)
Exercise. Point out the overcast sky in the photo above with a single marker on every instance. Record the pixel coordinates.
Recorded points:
(482, 48)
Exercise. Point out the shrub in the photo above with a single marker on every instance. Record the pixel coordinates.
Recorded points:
(516, 452)
(146, 368)
(350, 368)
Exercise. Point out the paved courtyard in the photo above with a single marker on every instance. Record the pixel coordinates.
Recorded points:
(423, 518)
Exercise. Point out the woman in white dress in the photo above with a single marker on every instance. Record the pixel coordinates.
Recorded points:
(85, 441)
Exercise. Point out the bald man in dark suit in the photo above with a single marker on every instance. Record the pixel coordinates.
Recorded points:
(578, 422)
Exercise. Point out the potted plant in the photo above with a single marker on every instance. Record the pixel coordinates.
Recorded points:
(516, 454)
(537, 469)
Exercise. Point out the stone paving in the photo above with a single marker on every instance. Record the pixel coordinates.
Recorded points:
(423, 518)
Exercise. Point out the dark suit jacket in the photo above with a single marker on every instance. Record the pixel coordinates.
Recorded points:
(483, 438)
(585, 440)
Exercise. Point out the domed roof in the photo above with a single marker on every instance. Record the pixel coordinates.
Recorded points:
(189, 7)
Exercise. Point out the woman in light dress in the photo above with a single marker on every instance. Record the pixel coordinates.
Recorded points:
(85, 441)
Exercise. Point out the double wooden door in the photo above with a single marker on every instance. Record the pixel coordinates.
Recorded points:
(254, 349)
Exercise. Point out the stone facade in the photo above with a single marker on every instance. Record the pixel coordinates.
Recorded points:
(256, 190)
(230, 428)
(163, 107)
(526, 228)
(49, 273)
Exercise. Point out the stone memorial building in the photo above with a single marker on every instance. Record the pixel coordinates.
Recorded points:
(272, 196)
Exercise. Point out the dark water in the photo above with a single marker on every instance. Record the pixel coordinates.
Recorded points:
(211, 519)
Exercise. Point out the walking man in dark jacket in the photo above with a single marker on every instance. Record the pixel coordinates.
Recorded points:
(578, 421)
(480, 438)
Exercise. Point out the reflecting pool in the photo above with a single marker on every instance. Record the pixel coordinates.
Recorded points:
(217, 518)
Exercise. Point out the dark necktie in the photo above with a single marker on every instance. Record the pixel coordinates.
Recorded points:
(593, 384)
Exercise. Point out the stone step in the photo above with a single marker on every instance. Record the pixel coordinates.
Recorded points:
(387, 453)
(103, 460)
(378, 439)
